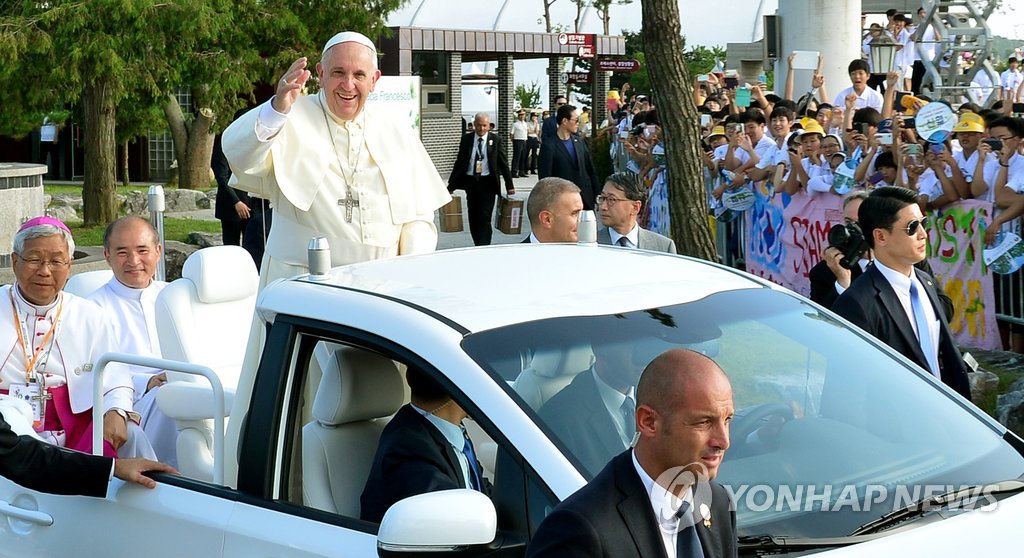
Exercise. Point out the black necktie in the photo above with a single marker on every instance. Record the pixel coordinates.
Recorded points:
(479, 154)
(628, 410)
(623, 241)
(687, 543)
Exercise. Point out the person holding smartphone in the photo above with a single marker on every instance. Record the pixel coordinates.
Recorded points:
(975, 164)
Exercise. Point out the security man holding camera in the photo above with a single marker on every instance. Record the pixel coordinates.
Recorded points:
(829, 277)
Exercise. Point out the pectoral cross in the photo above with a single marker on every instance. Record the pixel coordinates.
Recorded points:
(349, 202)
(42, 398)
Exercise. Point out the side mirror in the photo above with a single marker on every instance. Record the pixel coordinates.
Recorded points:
(448, 521)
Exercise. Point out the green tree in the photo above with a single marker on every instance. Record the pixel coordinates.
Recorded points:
(688, 205)
(528, 96)
(129, 56)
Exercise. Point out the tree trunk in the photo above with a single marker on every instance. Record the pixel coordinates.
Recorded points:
(99, 199)
(179, 132)
(125, 180)
(670, 79)
(194, 173)
(547, 14)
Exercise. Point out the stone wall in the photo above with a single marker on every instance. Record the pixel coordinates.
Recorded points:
(441, 131)
(21, 198)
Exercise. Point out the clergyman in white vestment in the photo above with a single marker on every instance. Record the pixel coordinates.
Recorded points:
(333, 167)
(132, 250)
(49, 341)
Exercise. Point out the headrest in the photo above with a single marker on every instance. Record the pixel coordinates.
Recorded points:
(560, 361)
(222, 274)
(357, 385)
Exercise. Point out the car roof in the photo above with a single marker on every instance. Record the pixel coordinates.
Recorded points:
(488, 287)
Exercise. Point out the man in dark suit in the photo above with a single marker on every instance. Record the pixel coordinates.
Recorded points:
(618, 206)
(423, 449)
(232, 205)
(893, 300)
(549, 127)
(39, 466)
(633, 508)
(567, 156)
(593, 415)
(479, 164)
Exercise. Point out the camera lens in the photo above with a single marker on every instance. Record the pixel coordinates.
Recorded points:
(838, 235)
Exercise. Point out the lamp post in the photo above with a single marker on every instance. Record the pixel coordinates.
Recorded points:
(883, 54)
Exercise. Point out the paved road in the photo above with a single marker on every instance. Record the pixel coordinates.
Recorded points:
(445, 240)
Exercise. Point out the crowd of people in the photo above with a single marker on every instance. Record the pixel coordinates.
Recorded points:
(812, 144)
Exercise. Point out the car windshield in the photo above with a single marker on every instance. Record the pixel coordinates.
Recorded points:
(830, 432)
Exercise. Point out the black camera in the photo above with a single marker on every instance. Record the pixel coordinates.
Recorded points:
(849, 240)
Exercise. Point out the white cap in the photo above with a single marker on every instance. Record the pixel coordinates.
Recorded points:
(349, 37)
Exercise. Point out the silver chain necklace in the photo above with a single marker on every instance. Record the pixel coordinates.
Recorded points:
(349, 201)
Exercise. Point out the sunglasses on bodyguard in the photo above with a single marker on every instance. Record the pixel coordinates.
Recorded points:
(911, 228)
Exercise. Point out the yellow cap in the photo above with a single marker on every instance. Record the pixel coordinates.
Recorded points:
(970, 122)
(908, 101)
(811, 126)
(613, 94)
(717, 131)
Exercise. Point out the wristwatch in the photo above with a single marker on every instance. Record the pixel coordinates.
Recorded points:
(121, 413)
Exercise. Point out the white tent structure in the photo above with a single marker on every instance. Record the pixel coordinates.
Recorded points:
(700, 25)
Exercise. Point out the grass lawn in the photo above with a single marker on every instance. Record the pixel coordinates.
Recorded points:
(174, 229)
(52, 189)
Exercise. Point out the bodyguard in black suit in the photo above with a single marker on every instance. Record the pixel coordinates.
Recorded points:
(893, 226)
(479, 164)
(232, 205)
(579, 418)
(414, 456)
(684, 405)
(567, 156)
(46, 468)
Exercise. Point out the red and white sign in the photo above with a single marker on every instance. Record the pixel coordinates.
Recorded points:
(576, 39)
(608, 65)
(585, 42)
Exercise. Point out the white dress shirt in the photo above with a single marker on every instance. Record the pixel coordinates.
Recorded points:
(633, 236)
(613, 399)
(901, 285)
(665, 506)
(453, 434)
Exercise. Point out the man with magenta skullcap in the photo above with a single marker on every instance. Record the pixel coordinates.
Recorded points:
(332, 166)
(49, 340)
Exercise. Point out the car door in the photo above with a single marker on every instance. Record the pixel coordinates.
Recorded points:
(170, 520)
(272, 519)
(293, 454)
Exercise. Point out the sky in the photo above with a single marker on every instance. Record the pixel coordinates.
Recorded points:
(1008, 22)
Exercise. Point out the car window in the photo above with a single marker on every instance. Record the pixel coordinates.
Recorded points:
(819, 407)
(343, 396)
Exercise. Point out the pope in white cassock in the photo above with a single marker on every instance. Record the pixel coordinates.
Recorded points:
(333, 167)
(49, 341)
(133, 250)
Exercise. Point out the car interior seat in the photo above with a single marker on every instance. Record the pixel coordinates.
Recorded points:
(204, 318)
(550, 370)
(85, 283)
(358, 393)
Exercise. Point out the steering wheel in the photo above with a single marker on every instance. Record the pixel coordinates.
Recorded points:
(752, 419)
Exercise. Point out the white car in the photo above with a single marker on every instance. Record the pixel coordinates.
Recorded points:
(833, 430)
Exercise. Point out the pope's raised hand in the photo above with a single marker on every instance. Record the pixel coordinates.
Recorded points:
(289, 87)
